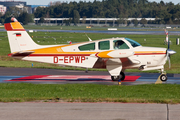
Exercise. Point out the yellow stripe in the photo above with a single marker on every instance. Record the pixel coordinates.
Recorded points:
(150, 51)
(65, 53)
(104, 54)
(58, 50)
(16, 25)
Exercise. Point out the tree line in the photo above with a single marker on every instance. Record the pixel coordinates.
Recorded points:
(20, 15)
(165, 13)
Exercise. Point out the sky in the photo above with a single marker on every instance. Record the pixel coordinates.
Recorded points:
(166, 1)
(46, 2)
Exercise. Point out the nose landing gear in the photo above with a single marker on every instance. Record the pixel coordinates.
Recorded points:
(163, 77)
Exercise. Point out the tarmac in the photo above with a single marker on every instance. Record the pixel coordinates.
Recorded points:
(41, 110)
(88, 111)
(54, 76)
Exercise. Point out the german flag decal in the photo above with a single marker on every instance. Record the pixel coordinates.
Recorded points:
(18, 34)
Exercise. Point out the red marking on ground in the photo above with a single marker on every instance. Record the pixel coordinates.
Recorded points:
(56, 78)
(130, 78)
(28, 78)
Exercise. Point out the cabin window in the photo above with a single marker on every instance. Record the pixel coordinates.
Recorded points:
(119, 44)
(86, 47)
(104, 45)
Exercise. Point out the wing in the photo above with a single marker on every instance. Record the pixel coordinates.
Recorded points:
(115, 60)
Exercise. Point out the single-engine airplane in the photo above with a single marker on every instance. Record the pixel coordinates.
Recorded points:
(114, 54)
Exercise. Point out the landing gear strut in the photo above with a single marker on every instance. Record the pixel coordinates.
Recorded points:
(120, 77)
(163, 76)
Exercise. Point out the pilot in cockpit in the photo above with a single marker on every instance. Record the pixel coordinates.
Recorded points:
(118, 44)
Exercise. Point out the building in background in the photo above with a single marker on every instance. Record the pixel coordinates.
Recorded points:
(12, 3)
(19, 4)
(35, 6)
(3, 9)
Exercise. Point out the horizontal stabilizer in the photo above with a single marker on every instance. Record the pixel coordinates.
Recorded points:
(21, 53)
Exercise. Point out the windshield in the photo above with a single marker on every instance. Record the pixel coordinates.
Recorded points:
(133, 43)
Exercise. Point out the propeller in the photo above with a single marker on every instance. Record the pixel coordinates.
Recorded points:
(169, 52)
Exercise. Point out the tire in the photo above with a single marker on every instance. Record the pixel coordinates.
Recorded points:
(163, 77)
(115, 78)
(120, 77)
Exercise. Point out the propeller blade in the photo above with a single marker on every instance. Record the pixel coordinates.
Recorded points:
(167, 38)
(169, 61)
(169, 51)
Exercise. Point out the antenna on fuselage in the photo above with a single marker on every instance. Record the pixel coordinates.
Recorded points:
(88, 37)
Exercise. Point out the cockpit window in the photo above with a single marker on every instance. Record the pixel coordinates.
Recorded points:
(119, 44)
(133, 43)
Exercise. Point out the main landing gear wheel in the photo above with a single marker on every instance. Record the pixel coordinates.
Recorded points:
(120, 77)
(163, 77)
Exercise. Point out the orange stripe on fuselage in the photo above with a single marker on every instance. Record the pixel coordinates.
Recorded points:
(43, 55)
(58, 50)
(66, 53)
(104, 54)
(149, 52)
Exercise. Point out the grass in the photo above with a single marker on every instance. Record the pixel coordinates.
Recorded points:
(99, 28)
(20, 92)
(56, 27)
(45, 38)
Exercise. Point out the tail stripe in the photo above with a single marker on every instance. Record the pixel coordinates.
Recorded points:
(15, 26)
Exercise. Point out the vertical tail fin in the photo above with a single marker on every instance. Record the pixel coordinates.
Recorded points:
(19, 40)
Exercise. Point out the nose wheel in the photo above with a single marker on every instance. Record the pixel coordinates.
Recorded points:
(163, 77)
